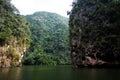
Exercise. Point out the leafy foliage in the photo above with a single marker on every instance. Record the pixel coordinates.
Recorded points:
(50, 39)
(12, 25)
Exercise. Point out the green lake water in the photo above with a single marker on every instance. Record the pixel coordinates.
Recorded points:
(58, 73)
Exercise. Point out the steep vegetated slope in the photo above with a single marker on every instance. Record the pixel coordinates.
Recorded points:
(95, 33)
(50, 39)
(14, 35)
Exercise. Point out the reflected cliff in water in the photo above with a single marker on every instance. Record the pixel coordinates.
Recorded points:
(11, 73)
(57, 73)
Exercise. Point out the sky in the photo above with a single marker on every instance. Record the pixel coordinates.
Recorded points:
(30, 6)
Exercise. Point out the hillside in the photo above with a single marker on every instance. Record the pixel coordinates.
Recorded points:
(50, 39)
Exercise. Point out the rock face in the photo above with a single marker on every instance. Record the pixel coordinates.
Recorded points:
(11, 56)
(95, 33)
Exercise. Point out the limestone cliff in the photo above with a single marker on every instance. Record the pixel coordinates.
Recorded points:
(14, 35)
(95, 33)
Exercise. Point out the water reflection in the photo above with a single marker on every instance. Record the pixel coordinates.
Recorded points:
(10, 73)
(4, 70)
(57, 73)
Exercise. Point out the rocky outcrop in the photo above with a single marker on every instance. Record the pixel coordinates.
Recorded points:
(11, 55)
(94, 33)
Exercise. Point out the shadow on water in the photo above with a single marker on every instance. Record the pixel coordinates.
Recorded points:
(63, 72)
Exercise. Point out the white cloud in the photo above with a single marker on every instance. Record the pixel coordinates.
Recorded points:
(31, 6)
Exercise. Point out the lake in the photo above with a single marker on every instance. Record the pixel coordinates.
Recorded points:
(64, 72)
